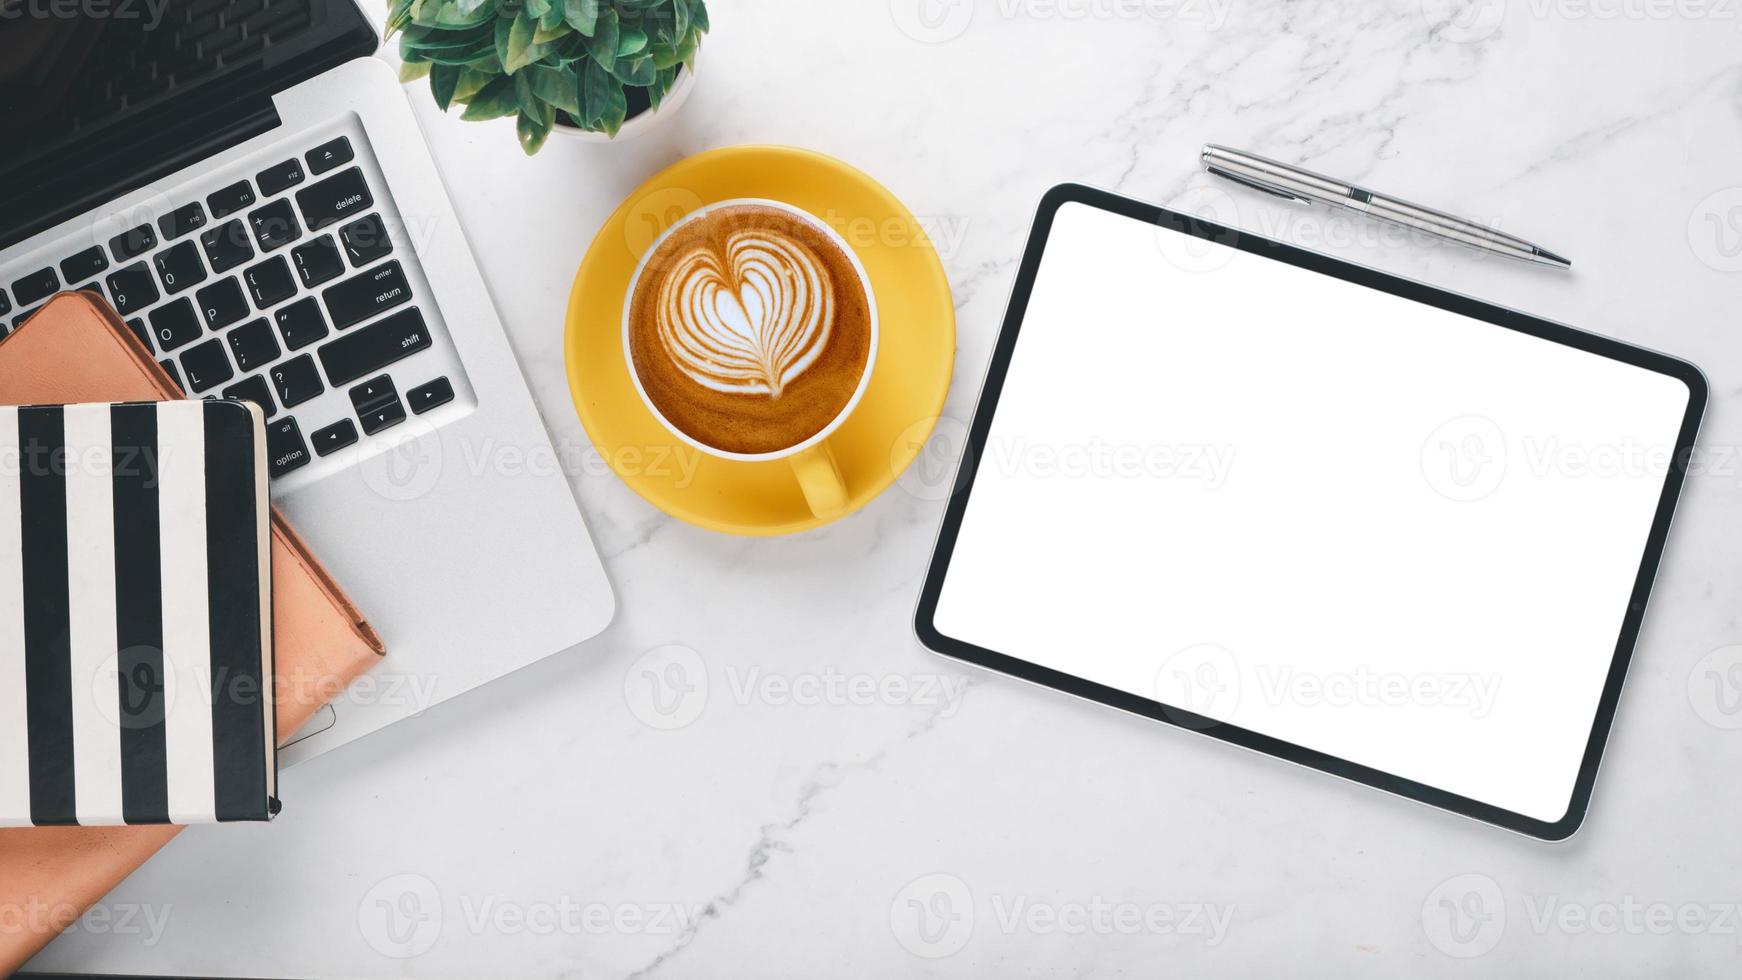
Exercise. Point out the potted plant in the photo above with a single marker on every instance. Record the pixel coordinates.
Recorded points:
(588, 67)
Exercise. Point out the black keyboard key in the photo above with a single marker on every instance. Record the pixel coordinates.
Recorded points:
(223, 303)
(180, 268)
(329, 155)
(285, 450)
(230, 200)
(335, 437)
(433, 395)
(275, 225)
(270, 283)
(253, 388)
(254, 345)
(297, 381)
(301, 323)
(363, 296)
(5, 304)
(206, 366)
(318, 261)
(366, 240)
(18, 321)
(227, 246)
(334, 199)
(90, 262)
(132, 288)
(132, 244)
(181, 221)
(36, 287)
(5, 331)
(174, 375)
(372, 348)
(138, 327)
(283, 177)
(373, 393)
(175, 325)
(383, 417)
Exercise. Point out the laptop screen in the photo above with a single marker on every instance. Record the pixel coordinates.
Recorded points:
(83, 82)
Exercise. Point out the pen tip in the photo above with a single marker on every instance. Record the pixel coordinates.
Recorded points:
(1547, 257)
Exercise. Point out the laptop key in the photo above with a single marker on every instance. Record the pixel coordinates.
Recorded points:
(329, 155)
(363, 296)
(138, 327)
(182, 220)
(335, 437)
(253, 345)
(366, 240)
(297, 381)
(180, 268)
(230, 200)
(222, 303)
(132, 244)
(373, 393)
(301, 323)
(132, 288)
(227, 246)
(383, 417)
(433, 395)
(174, 375)
(36, 287)
(318, 261)
(275, 225)
(334, 199)
(284, 176)
(270, 282)
(90, 262)
(206, 366)
(175, 325)
(253, 388)
(5, 304)
(359, 354)
(285, 450)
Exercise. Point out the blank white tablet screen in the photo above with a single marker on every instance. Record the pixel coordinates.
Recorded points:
(1359, 524)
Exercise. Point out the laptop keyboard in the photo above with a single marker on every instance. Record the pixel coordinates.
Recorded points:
(278, 289)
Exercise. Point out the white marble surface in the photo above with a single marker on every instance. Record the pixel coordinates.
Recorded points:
(541, 828)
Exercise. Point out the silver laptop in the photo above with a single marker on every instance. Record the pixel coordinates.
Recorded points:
(248, 186)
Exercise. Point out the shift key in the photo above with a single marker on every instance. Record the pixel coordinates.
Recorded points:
(361, 297)
(374, 347)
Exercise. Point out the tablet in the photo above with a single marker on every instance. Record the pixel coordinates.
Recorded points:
(1339, 517)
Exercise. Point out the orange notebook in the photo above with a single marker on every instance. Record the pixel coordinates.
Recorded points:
(76, 349)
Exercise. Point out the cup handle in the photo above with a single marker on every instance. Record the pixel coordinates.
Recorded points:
(819, 476)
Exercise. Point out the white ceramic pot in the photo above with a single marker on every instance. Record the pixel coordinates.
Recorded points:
(647, 121)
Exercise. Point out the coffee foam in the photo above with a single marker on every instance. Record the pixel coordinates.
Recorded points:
(754, 339)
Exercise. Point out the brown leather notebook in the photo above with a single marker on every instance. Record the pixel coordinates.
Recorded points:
(76, 349)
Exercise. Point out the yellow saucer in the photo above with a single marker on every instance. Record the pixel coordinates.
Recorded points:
(916, 352)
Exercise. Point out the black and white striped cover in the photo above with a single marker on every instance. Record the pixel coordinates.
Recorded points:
(135, 617)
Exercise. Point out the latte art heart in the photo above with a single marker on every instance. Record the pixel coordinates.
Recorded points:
(750, 322)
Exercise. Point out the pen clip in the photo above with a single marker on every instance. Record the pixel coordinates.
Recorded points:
(1257, 185)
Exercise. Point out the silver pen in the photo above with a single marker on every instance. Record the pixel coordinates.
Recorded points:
(1306, 187)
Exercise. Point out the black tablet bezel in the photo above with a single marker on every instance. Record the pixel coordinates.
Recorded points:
(973, 452)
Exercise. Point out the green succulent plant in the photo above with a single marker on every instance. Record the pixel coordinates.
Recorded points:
(586, 63)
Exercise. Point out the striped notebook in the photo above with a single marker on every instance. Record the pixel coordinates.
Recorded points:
(135, 617)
